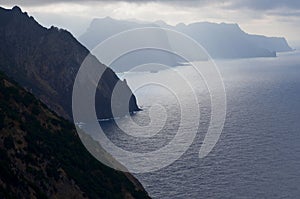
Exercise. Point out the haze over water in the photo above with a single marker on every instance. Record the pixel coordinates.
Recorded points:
(258, 154)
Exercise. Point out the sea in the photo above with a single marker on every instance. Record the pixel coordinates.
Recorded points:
(258, 152)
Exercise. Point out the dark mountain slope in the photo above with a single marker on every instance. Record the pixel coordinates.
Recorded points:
(46, 61)
(42, 156)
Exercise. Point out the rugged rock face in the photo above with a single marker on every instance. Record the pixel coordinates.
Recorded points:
(46, 61)
(42, 155)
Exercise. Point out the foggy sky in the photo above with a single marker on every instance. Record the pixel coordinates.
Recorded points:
(251, 4)
(268, 17)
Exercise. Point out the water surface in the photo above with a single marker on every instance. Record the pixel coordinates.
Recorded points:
(258, 154)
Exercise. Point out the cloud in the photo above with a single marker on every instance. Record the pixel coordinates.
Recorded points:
(265, 4)
(185, 3)
(230, 4)
(285, 13)
(269, 17)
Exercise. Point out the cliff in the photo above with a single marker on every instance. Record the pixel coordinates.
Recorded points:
(46, 61)
(230, 41)
(220, 40)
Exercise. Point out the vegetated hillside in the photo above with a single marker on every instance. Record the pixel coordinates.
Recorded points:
(43, 157)
(46, 61)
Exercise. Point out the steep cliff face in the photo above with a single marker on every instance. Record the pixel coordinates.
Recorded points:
(225, 40)
(42, 155)
(277, 44)
(46, 61)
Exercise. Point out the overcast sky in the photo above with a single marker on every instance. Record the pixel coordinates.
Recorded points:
(268, 17)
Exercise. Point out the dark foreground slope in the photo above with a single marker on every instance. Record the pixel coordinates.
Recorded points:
(46, 61)
(42, 156)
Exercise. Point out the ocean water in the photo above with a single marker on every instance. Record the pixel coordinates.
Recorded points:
(258, 153)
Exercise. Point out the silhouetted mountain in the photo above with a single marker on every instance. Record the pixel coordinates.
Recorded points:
(220, 40)
(46, 61)
(229, 41)
(277, 44)
(43, 157)
(101, 29)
